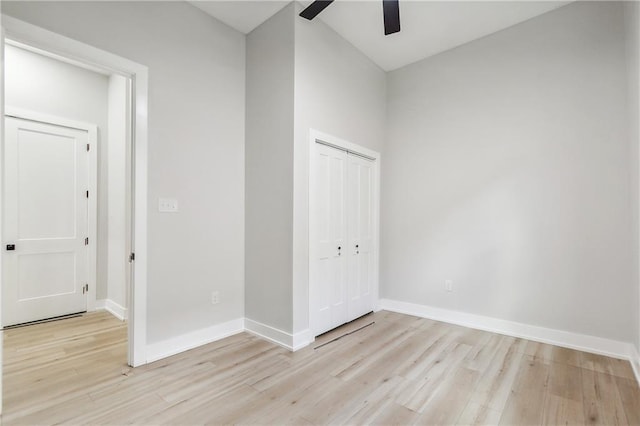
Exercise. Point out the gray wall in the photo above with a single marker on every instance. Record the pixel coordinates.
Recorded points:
(338, 91)
(632, 28)
(507, 171)
(269, 171)
(196, 147)
(48, 86)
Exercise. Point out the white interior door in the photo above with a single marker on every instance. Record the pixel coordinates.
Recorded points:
(360, 227)
(329, 294)
(45, 220)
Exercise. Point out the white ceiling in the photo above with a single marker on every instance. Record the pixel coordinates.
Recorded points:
(427, 27)
(242, 15)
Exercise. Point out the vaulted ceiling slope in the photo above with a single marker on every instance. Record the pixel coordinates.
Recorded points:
(427, 27)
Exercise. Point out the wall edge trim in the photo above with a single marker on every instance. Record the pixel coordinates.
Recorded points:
(184, 342)
(113, 308)
(292, 342)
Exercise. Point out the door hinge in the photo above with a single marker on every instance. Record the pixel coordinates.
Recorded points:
(88, 147)
(86, 241)
(85, 288)
(132, 257)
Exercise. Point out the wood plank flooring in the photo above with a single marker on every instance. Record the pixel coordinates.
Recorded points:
(400, 370)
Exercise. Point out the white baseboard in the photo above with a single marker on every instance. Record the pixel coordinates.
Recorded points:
(292, 342)
(184, 342)
(113, 308)
(302, 339)
(581, 342)
(635, 362)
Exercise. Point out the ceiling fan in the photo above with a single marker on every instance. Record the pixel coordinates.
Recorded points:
(390, 9)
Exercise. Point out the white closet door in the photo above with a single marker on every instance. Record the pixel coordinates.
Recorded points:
(360, 225)
(328, 294)
(45, 221)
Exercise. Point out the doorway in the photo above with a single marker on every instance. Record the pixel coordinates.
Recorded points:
(66, 188)
(90, 57)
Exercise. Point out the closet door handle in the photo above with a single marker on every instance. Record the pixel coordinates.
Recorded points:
(357, 249)
(339, 248)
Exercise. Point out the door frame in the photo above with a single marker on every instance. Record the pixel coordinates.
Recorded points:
(317, 137)
(92, 183)
(48, 41)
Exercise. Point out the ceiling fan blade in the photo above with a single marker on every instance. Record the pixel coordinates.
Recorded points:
(315, 8)
(391, 10)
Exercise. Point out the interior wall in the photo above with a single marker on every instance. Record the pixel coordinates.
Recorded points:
(196, 147)
(269, 171)
(506, 170)
(300, 75)
(632, 29)
(37, 83)
(338, 91)
(118, 190)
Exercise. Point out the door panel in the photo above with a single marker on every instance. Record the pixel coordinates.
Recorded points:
(34, 269)
(45, 217)
(360, 215)
(329, 294)
(46, 182)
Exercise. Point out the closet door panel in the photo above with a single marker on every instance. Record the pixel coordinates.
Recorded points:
(361, 222)
(329, 292)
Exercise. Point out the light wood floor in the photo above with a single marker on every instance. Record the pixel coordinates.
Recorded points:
(400, 370)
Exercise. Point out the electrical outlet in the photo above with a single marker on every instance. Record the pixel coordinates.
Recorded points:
(448, 286)
(215, 297)
(167, 205)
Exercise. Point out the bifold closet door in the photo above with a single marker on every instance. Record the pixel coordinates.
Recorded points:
(342, 238)
(329, 294)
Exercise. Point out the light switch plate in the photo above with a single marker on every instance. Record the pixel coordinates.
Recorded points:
(167, 205)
